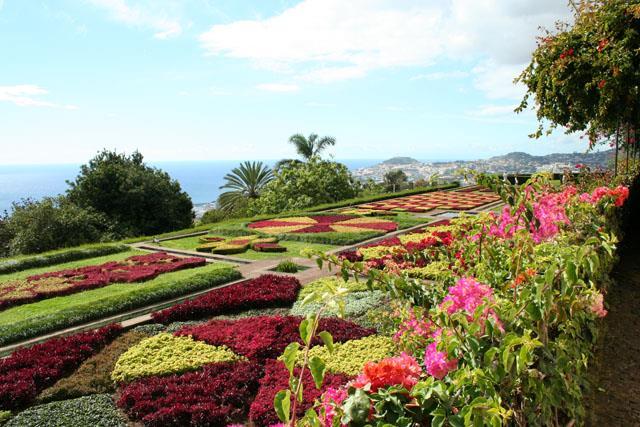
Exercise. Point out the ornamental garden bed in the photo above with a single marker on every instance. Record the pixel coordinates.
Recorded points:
(451, 200)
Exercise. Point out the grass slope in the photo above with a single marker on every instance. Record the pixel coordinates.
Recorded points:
(31, 320)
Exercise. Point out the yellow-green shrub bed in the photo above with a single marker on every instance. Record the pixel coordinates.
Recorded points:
(166, 354)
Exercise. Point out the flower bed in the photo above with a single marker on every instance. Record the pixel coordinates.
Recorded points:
(63, 282)
(324, 224)
(437, 200)
(165, 354)
(266, 337)
(217, 395)
(265, 291)
(276, 378)
(27, 372)
(268, 247)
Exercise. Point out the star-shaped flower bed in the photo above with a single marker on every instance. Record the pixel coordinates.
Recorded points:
(323, 224)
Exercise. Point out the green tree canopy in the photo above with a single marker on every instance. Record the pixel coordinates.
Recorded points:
(138, 199)
(244, 183)
(395, 179)
(300, 185)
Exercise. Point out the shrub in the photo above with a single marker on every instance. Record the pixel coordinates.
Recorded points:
(266, 337)
(217, 395)
(107, 305)
(94, 375)
(212, 216)
(286, 266)
(350, 357)
(28, 371)
(265, 291)
(320, 284)
(89, 411)
(276, 378)
(59, 257)
(165, 354)
(52, 223)
(64, 282)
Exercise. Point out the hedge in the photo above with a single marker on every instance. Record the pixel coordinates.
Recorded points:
(63, 318)
(89, 411)
(13, 265)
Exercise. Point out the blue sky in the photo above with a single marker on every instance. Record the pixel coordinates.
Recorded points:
(231, 79)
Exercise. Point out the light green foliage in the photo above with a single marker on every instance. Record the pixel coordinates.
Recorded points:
(350, 357)
(300, 185)
(432, 271)
(89, 411)
(378, 251)
(321, 284)
(4, 416)
(165, 354)
(287, 266)
(356, 305)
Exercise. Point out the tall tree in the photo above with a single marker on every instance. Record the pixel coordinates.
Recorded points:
(394, 179)
(244, 183)
(138, 199)
(308, 147)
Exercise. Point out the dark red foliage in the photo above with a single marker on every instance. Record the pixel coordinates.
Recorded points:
(217, 395)
(268, 247)
(133, 269)
(276, 378)
(352, 255)
(265, 337)
(265, 291)
(27, 372)
(330, 219)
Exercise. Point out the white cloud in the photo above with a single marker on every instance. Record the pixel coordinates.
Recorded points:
(27, 96)
(144, 15)
(494, 110)
(325, 41)
(441, 75)
(278, 87)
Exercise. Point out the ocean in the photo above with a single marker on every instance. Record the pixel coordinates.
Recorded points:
(200, 179)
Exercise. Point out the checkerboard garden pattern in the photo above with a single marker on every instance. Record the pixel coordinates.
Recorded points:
(452, 200)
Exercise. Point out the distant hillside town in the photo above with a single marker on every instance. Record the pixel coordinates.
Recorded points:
(517, 162)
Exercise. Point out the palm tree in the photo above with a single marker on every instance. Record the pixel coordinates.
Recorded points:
(311, 146)
(244, 182)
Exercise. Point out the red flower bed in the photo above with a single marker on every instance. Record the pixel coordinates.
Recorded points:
(265, 337)
(268, 247)
(64, 282)
(265, 291)
(27, 372)
(324, 224)
(456, 200)
(217, 395)
(276, 378)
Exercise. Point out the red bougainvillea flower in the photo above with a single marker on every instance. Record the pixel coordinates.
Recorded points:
(602, 83)
(597, 307)
(603, 43)
(400, 370)
(436, 362)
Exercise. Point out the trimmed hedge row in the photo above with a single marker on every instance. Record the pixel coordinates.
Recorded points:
(116, 304)
(14, 265)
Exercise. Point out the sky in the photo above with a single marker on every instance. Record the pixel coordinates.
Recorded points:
(233, 79)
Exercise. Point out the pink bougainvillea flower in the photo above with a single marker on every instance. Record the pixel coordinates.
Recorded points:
(597, 307)
(414, 327)
(437, 363)
(330, 399)
(467, 295)
(400, 370)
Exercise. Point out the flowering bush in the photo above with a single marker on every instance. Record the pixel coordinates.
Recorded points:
(265, 337)
(28, 371)
(276, 378)
(133, 269)
(165, 354)
(217, 395)
(265, 291)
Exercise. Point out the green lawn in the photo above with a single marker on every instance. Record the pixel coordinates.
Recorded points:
(30, 320)
(294, 248)
(73, 264)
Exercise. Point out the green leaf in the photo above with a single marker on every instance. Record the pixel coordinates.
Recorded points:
(318, 368)
(306, 331)
(356, 408)
(282, 404)
(327, 339)
(311, 417)
(290, 356)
